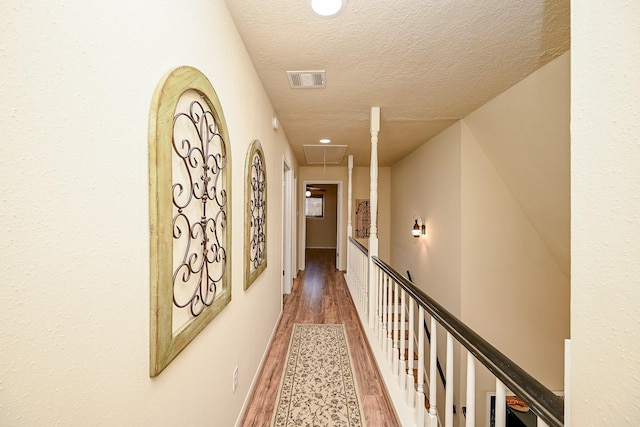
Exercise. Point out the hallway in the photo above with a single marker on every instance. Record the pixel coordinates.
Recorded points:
(320, 295)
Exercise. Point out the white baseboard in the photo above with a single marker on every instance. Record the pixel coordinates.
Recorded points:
(254, 381)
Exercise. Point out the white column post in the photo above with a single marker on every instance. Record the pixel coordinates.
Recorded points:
(349, 225)
(349, 197)
(373, 208)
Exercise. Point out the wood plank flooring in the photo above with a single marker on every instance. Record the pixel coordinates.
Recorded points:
(320, 295)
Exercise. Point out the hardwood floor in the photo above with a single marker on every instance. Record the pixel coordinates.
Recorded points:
(320, 295)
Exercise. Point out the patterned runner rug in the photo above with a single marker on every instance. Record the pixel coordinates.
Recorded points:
(318, 387)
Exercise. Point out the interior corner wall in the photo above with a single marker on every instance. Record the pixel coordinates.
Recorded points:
(361, 177)
(513, 292)
(513, 254)
(75, 267)
(427, 183)
(483, 259)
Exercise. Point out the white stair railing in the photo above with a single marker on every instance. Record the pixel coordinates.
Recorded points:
(398, 341)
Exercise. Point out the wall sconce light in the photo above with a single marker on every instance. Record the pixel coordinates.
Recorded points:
(307, 193)
(418, 229)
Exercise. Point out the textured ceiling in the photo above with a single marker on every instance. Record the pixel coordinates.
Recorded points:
(426, 64)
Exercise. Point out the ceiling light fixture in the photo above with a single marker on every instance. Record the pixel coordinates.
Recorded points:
(325, 141)
(327, 8)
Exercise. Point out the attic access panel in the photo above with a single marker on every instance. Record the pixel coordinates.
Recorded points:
(324, 154)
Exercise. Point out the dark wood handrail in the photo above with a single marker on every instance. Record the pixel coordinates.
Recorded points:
(542, 401)
(359, 246)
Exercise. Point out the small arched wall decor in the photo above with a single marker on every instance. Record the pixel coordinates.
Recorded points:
(255, 242)
(190, 203)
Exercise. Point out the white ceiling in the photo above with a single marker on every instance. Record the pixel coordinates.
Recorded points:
(425, 63)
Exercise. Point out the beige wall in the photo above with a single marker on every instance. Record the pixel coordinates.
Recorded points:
(513, 292)
(75, 267)
(524, 132)
(605, 193)
(507, 261)
(323, 232)
(427, 183)
(483, 258)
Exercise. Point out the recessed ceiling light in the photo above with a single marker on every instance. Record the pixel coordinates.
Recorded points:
(327, 8)
(325, 141)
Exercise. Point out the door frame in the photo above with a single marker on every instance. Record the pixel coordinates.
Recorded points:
(303, 228)
(288, 195)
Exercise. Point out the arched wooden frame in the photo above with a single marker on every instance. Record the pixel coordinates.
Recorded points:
(207, 252)
(255, 222)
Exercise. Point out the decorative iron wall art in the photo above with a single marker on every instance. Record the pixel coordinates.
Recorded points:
(363, 219)
(255, 242)
(189, 212)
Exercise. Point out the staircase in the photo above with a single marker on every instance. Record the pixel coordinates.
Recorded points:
(394, 313)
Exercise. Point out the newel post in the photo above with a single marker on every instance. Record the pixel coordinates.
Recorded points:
(349, 207)
(373, 212)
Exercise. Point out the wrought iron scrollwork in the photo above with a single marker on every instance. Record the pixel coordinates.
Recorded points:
(199, 208)
(363, 219)
(255, 241)
(189, 207)
(257, 218)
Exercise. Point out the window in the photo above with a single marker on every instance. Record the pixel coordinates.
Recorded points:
(315, 207)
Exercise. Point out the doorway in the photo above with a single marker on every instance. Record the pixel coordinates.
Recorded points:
(321, 225)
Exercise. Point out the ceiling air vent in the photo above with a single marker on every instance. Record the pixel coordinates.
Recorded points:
(306, 79)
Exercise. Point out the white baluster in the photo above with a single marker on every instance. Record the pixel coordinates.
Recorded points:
(501, 404)
(542, 423)
(433, 369)
(380, 306)
(420, 399)
(411, 387)
(448, 405)
(471, 390)
(402, 369)
(390, 331)
(361, 290)
(396, 327)
(385, 309)
(362, 283)
(371, 308)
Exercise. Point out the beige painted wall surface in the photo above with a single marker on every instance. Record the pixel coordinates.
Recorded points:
(525, 134)
(483, 259)
(513, 292)
(506, 261)
(427, 183)
(317, 175)
(361, 190)
(75, 239)
(605, 228)
(322, 232)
